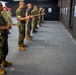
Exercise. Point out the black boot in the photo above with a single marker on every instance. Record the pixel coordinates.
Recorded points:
(34, 31)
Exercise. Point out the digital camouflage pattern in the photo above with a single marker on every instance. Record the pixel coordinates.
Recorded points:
(10, 14)
(3, 39)
(37, 18)
(34, 20)
(21, 26)
(40, 18)
(43, 15)
(28, 12)
(5, 15)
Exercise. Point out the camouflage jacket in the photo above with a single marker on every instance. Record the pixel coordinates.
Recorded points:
(33, 12)
(40, 12)
(20, 14)
(28, 12)
(9, 13)
(5, 15)
(2, 23)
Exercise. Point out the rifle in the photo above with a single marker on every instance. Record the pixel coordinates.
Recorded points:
(37, 15)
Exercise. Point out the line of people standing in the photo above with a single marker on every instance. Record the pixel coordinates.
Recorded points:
(27, 22)
(5, 26)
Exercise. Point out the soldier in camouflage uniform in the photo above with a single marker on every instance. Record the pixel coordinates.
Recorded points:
(28, 22)
(34, 20)
(43, 15)
(37, 18)
(10, 15)
(40, 17)
(21, 25)
(5, 15)
(3, 42)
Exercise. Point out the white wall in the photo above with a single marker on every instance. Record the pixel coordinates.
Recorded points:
(4, 3)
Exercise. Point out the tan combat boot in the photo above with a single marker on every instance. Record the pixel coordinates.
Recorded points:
(24, 45)
(2, 72)
(28, 38)
(40, 24)
(22, 48)
(6, 63)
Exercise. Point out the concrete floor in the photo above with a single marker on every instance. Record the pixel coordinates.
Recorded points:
(52, 51)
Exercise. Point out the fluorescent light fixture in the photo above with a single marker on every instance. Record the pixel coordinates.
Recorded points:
(18, 0)
(3, 2)
(42, 0)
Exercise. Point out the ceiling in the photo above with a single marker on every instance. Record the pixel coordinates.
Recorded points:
(33, 0)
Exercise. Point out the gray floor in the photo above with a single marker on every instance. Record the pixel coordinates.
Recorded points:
(52, 51)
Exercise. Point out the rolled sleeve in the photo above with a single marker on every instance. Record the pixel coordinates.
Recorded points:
(18, 16)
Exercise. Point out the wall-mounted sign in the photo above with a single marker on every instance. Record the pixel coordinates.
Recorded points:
(62, 10)
(75, 11)
(49, 10)
(66, 11)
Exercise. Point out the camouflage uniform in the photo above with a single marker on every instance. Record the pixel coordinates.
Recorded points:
(10, 14)
(34, 20)
(37, 18)
(40, 18)
(21, 26)
(28, 25)
(5, 15)
(3, 40)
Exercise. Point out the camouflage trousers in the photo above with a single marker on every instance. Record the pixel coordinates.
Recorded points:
(40, 20)
(28, 27)
(21, 27)
(3, 47)
(34, 22)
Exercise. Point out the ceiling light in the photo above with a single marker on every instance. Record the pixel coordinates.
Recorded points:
(18, 0)
(3, 2)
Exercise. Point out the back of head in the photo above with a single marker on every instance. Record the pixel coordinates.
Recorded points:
(28, 4)
(21, 2)
(5, 7)
(35, 6)
(1, 4)
(40, 8)
(1, 7)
